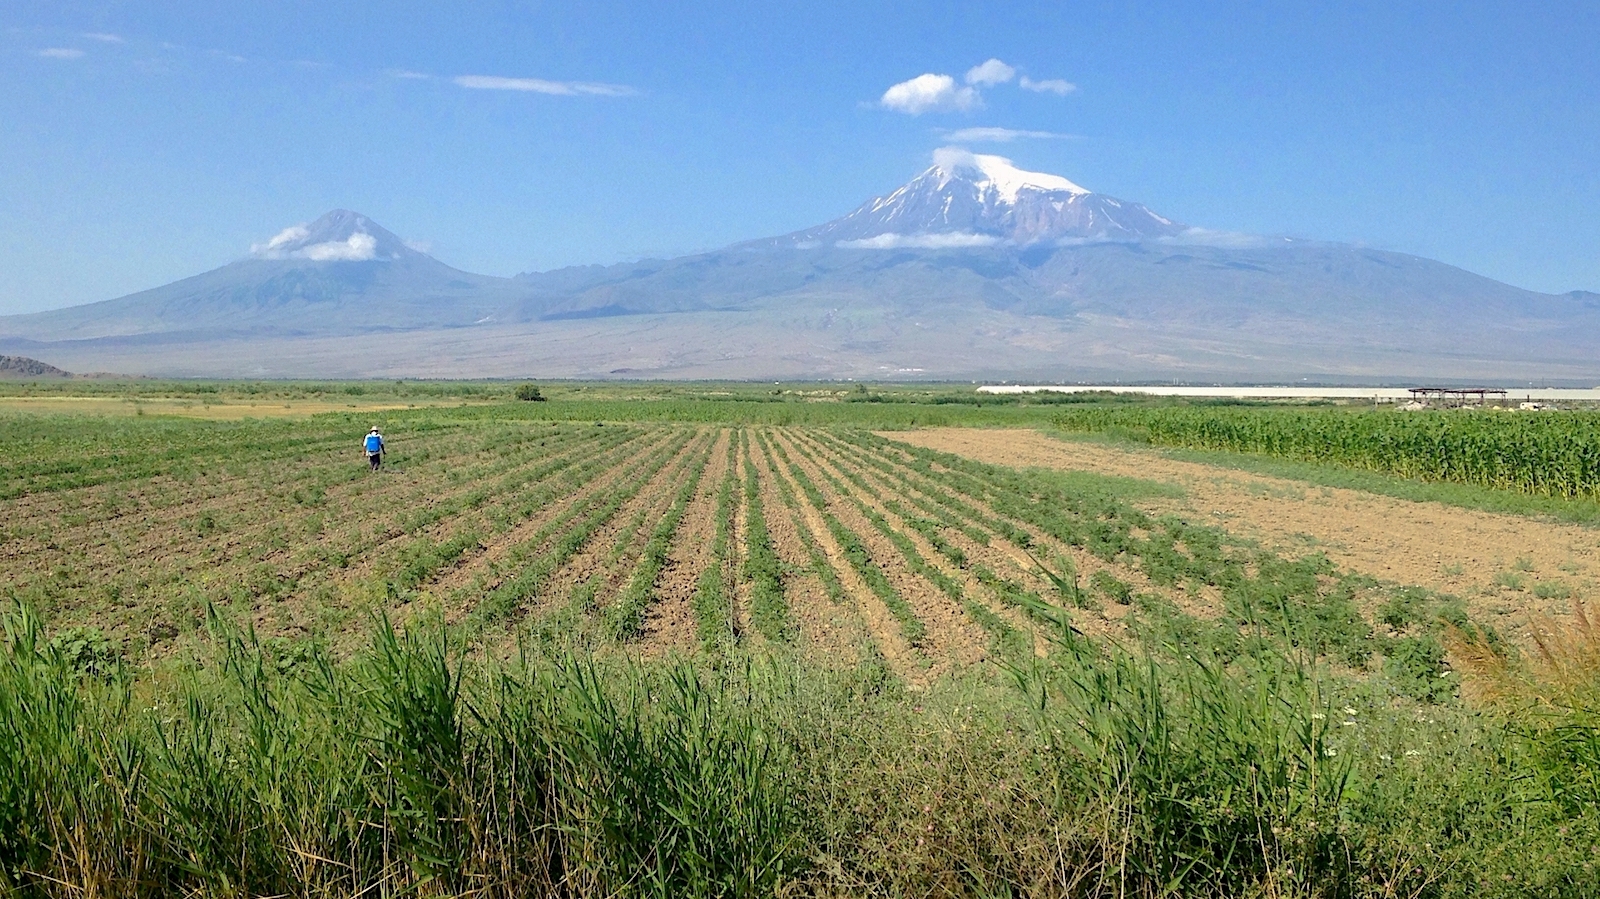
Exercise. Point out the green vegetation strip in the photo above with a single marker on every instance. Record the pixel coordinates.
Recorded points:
(769, 611)
(713, 598)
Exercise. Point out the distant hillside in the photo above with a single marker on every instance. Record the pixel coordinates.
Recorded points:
(23, 367)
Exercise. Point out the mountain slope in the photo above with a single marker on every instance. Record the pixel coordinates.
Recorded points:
(340, 274)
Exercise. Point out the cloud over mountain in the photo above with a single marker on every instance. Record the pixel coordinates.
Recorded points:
(936, 92)
(990, 73)
(929, 93)
(542, 86)
(993, 135)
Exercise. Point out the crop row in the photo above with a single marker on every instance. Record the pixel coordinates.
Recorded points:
(568, 533)
(713, 597)
(625, 615)
(931, 493)
(1555, 454)
(769, 612)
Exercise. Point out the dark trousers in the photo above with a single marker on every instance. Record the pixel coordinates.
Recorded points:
(375, 459)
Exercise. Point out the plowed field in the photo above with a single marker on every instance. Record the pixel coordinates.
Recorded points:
(839, 544)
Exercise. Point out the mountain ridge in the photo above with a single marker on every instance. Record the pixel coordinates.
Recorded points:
(974, 267)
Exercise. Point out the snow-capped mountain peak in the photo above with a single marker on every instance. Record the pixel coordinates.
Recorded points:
(996, 172)
(968, 199)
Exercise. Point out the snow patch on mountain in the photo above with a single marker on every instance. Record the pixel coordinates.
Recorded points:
(997, 172)
(969, 199)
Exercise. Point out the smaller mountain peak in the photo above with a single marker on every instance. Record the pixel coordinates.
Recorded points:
(957, 164)
(338, 236)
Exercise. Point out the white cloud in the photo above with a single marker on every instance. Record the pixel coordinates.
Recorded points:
(104, 38)
(929, 93)
(61, 53)
(272, 249)
(919, 241)
(990, 73)
(541, 86)
(408, 75)
(1056, 86)
(1205, 237)
(1000, 135)
(952, 158)
(358, 248)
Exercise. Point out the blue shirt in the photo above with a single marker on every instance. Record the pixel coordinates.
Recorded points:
(374, 443)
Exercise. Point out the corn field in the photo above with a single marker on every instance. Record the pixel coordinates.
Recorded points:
(1549, 454)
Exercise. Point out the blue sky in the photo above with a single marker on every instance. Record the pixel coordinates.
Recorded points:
(142, 142)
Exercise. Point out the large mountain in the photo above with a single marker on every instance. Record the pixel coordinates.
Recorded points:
(975, 268)
(968, 200)
(341, 274)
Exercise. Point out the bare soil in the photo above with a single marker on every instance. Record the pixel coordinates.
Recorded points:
(951, 637)
(881, 626)
(829, 632)
(669, 623)
(1478, 556)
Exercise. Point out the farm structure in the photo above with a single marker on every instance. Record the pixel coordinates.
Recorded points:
(1451, 397)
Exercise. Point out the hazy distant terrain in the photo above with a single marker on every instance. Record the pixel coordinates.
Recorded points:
(23, 367)
(996, 273)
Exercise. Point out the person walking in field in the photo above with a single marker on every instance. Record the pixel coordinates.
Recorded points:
(374, 447)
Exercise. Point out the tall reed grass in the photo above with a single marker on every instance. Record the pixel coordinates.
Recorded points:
(1093, 771)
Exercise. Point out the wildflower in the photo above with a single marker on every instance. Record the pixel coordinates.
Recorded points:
(1348, 710)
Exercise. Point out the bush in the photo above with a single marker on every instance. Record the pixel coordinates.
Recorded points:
(529, 393)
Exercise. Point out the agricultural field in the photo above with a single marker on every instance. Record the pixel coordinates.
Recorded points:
(1550, 454)
(751, 642)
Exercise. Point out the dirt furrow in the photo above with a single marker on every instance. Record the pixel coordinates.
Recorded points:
(880, 623)
(597, 572)
(830, 632)
(670, 624)
(949, 638)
